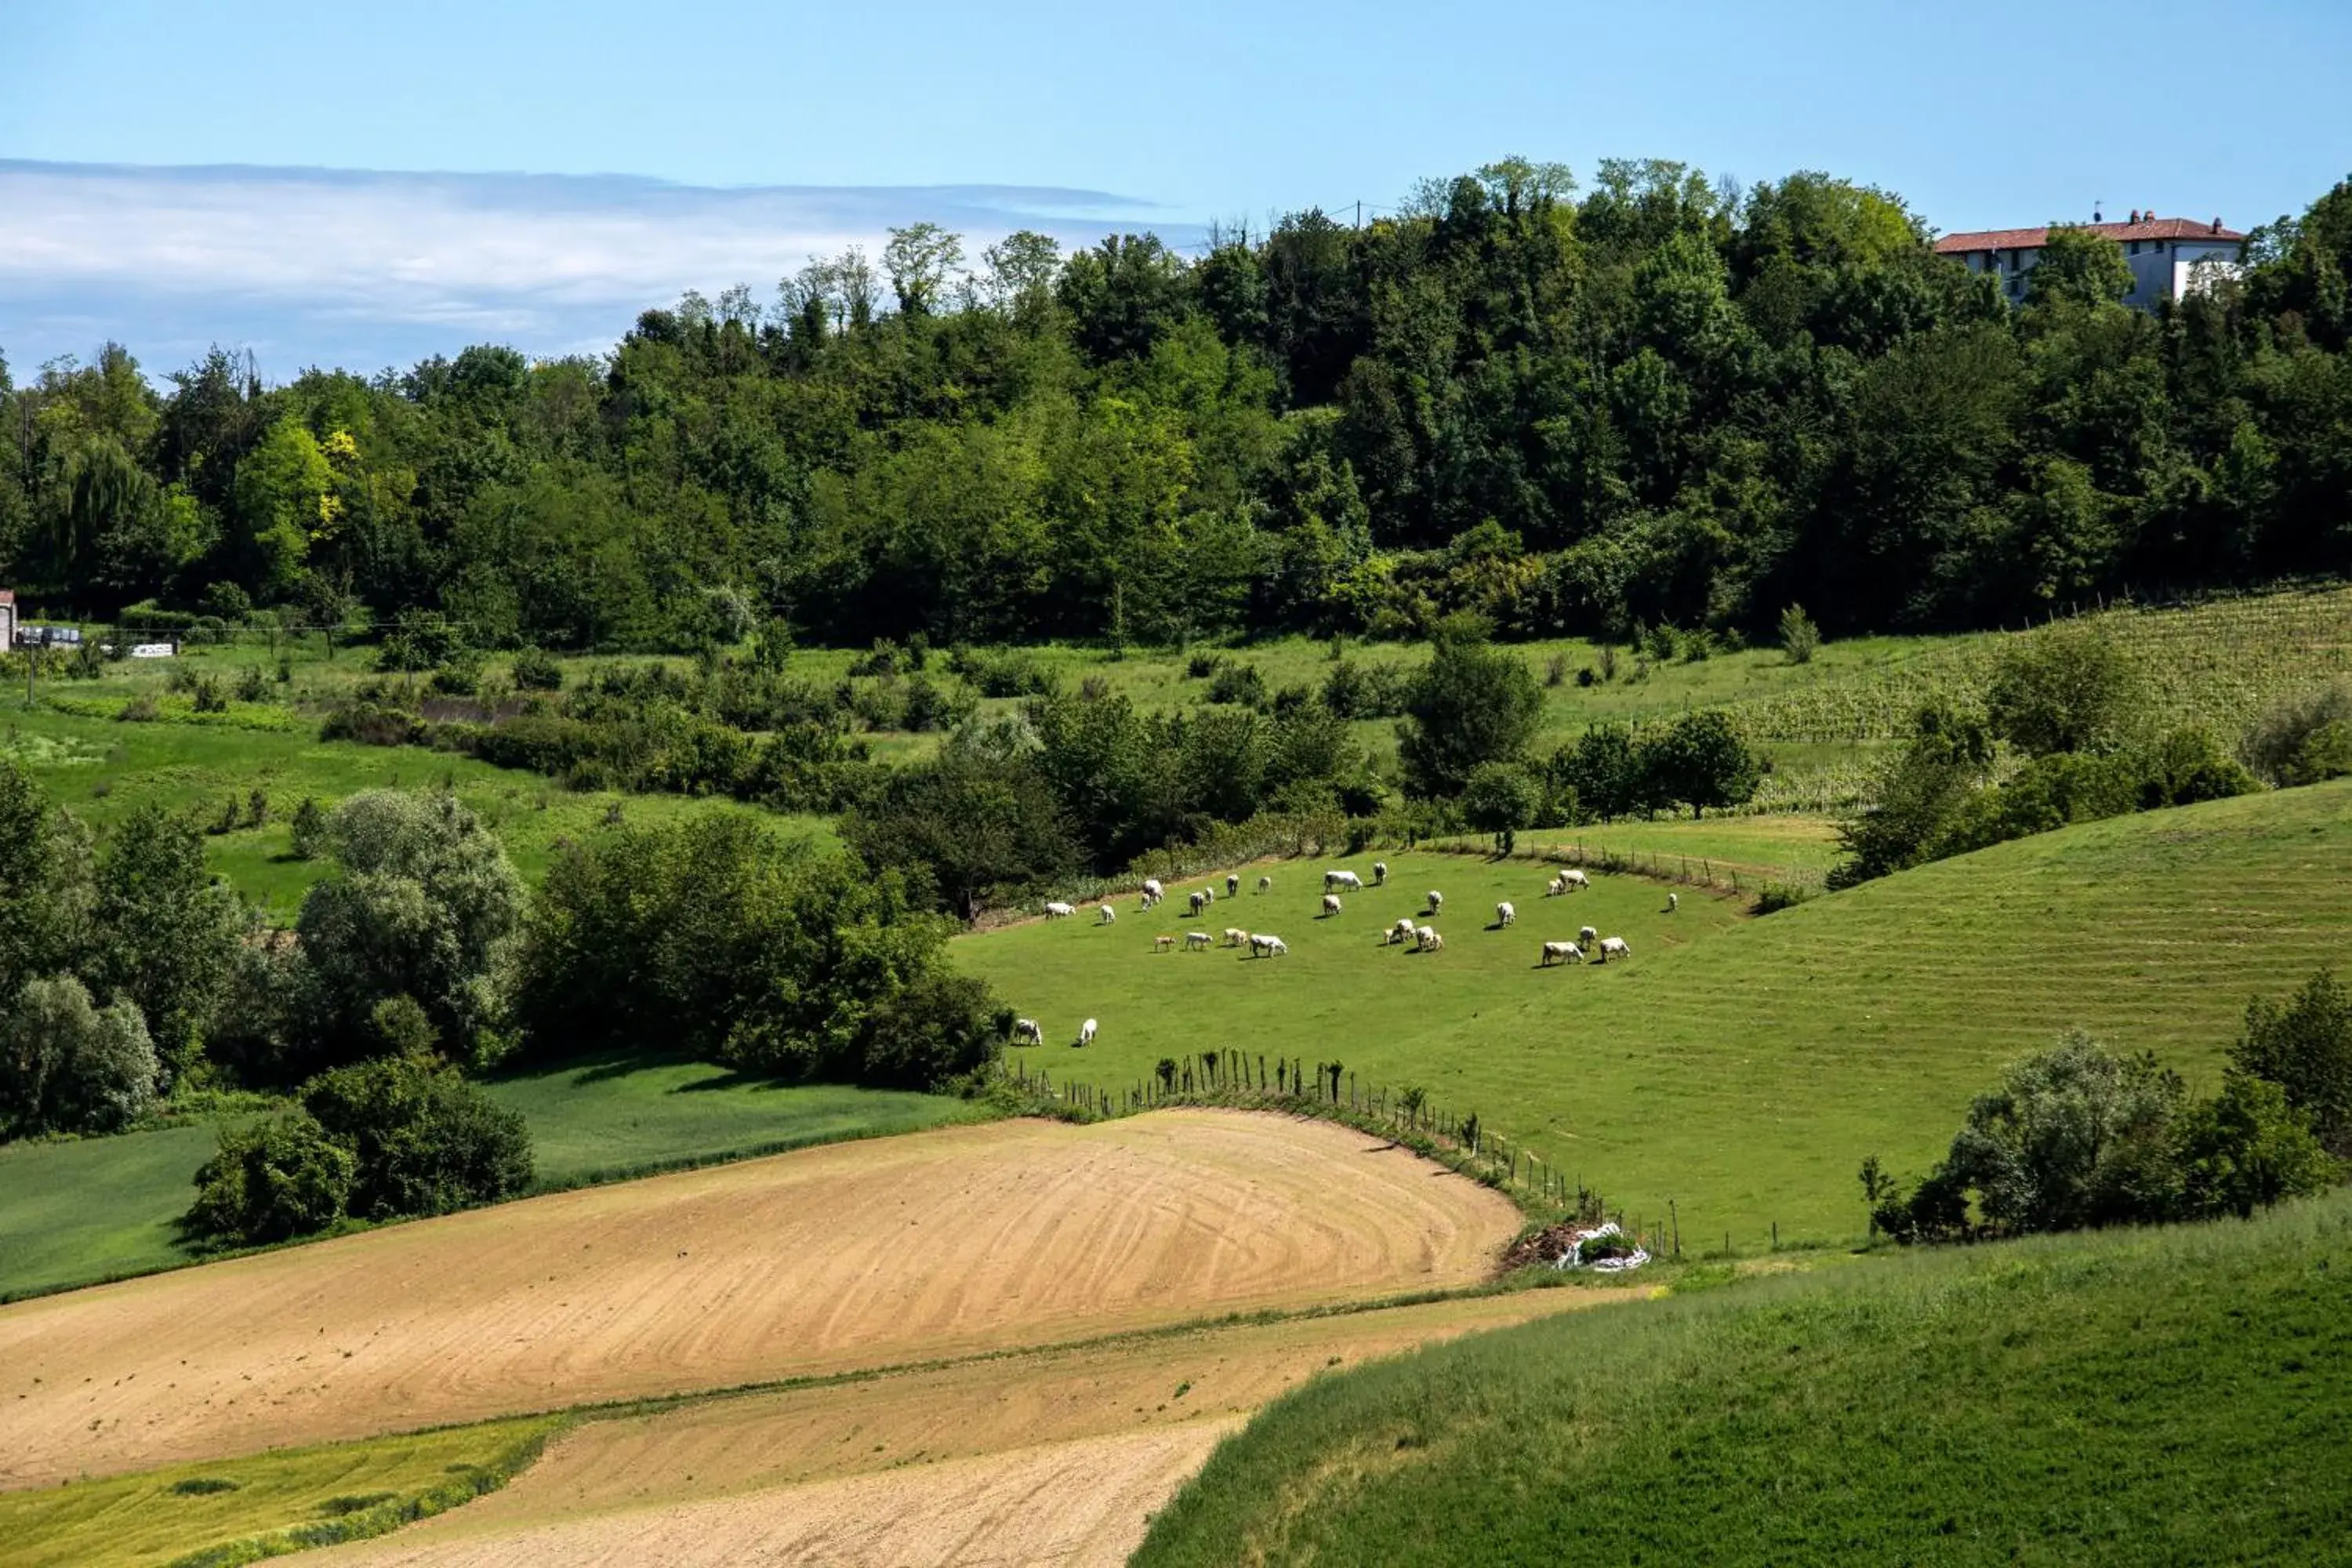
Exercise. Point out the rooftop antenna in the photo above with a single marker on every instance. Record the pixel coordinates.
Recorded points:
(2098, 210)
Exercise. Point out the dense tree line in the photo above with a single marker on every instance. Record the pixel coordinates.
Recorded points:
(1656, 399)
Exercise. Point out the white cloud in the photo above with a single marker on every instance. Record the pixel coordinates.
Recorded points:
(366, 269)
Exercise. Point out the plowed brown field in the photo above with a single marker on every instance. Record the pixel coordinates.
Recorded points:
(1050, 1457)
(914, 1248)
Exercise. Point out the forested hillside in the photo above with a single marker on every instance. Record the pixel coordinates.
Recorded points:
(1649, 399)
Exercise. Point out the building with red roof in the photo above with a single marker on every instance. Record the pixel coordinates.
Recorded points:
(2171, 257)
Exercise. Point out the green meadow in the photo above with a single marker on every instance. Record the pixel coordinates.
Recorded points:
(2181, 1395)
(1737, 1067)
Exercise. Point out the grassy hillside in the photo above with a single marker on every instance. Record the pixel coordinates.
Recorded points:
(1741, 1067)
(100, 769)
(75, 1212)
(2172, 1396)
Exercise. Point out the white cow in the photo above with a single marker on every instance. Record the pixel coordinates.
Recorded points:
(1235, 936)
(1233, 886)
(1333, 881)
(1028, 1030)
(1209, 893)
(1087, 1033)
(1380, 873)
(1614, 947)
(1198, 901)
(1572, 878)
(1402, 931)
(1153, 891)
(1104, 915)
(1673, 902)
(1330, 903)
(1432, 940)
(1555, 887)
(1263, 946)
(1436, 903)
(1196, 939)
(1588, 935)
(1561, 952)
(1266, 884)
(1057, 910)
(1504, 914)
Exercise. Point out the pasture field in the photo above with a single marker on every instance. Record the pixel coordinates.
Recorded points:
(2172, 1396)
(101, 769)
(951, 1242)
(1056, 1454)
(1791, 849)
(98, 1208)
(1740, 1067)
(162, 1516)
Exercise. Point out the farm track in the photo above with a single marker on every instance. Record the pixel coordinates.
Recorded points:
(931, 1245)
(1054, 1456)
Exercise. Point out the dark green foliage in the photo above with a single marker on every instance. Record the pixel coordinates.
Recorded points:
(2305, 1045)
(168, 931)
(2247, 1148)
(422, 1140)
(1700, 760)
(310, 830)
(272, 1181)
(1799, 638)
(68, 1067)
(535, 670)
(1472, 703)
(1916, 798)
(2178, 769)
(981, 821)
(728, 942)
(1500, 798)
(2065, 689)
(1238, 683)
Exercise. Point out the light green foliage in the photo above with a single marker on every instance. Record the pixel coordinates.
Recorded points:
(2248, 1148)
(1799, 638)
(68, 1067)
(423, 904)
(1500, 798)
(2305, 1045)
(2304, 737)
(2079, 268)
(2121, 1397)
(2065, 689)
(283, 498)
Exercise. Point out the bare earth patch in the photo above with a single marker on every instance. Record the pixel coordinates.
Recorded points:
(1057, 1456)
(929, 1245)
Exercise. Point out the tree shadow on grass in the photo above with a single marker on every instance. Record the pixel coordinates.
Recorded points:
(607, 1067)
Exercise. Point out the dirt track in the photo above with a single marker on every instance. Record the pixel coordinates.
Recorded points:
(899, 1250)
(1053, 1457)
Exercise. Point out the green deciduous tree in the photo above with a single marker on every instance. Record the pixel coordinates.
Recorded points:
(66, 1065)
(1472, 703)
(2066, 688)
(2305, 1045)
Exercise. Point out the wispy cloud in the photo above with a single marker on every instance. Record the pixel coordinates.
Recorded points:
(365, 270)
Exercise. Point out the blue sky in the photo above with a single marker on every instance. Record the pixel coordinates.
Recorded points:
(1076, 118)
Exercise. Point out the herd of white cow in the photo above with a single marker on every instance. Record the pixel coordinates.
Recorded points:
(1408, 931)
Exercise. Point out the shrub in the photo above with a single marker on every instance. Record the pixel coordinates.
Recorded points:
(2305, 1045)
(1799, 638)
(882, 659)
(535, 670)
(272, 1181)
(310, 830)
(422, 1140)
(1202, 665)
(66, 1065)
(1774, 897)
(252, 685)
(1243, 685)
(139, 710)
(207, 696)
(2305, 739)
(1015, 672)
(1354, 690)
(2066, 688)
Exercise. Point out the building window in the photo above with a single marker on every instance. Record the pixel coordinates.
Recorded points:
(2135, 250)
(2159, 247)
(2016, 259)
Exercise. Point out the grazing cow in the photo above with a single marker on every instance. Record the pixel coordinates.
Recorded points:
(1338, 881)
(1266, 884)
(1265, 946)
(1059, 910)
(1504, 914)
(1423, 936)
(1163, 941)
(1572, 878)
(1614, 947)
(1432, 940)
(1196, 940)
(1402, 931)
(1561, 952)
(1198, 901)
(1104, 915)
(1555, 887)
(1673, 902)
(1587, 935)
(1152, 890)
(1436, 903)
(1330, 903)
(1028, 1030)
(1235, 936)
(1209, 893)
(1087, 1033)
(1233, 886)
(1380, 873)
(1146, 901)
